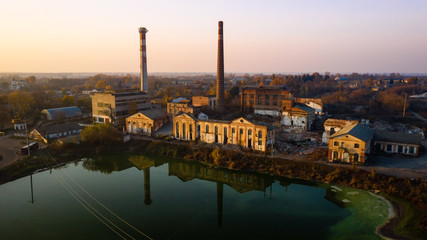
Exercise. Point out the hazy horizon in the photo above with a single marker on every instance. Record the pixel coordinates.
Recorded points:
(263, 37)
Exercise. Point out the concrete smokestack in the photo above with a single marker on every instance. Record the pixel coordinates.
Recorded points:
(143, 53)
(220, 102)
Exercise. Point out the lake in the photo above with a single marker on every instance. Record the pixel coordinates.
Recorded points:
(142, 197)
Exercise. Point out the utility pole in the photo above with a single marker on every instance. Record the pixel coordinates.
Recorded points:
(404, 106)
(32, 196)
(28, 141)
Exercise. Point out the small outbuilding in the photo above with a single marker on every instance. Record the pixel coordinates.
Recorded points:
(55, 131)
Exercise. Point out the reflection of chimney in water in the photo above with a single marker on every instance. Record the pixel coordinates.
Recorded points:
(219, 198)
(147, 200)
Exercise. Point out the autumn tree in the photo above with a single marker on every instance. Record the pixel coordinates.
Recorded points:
(102, 135)
(369, 82)
(22, 103)
(68, 100)
(101, 84)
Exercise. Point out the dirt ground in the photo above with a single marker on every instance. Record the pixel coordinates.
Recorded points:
(401, 166)
(10, 149)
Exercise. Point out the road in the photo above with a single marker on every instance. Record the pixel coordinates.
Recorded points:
(9, 147)
(419, 116)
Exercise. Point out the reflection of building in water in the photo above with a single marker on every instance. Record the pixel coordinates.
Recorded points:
(239, 181)
(144, 163)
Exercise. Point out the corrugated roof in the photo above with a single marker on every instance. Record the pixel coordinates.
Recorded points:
(397, 137)
(359, 131)
(64, 127)
(305, 108)
(68, 111)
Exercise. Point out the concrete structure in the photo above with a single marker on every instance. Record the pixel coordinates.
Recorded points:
(396, 142)
(205, 101)
(179, 105)
(55, 131)
(334, 125)
(351, 144)
(297, 116)
(110, 106)
(143, 59)
(220, 100)
(146, 122)
(61, 113)
(264, 100)
(257, 136)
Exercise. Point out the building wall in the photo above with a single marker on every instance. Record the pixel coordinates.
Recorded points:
(204, 101)
(401, 148)
(139, 123)
(174, 108)
(298, 120)
(121, 105)
(344, 149)
(264, 99)
(238, 132)
(274, 113)
(184, 127)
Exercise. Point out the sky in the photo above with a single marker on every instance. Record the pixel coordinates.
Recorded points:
(377, 36)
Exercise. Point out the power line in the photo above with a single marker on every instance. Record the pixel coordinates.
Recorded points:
(75, 194)
(106, 208)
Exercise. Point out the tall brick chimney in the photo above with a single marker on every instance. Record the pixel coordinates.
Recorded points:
(143, 56)
(220, 101)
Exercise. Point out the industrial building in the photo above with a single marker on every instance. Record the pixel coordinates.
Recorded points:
(264, 100)
(146, 122)
(241, 132)
(297, 116)
(109, 106)
(61, 113)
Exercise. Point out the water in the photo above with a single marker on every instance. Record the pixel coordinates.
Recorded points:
(172, 199)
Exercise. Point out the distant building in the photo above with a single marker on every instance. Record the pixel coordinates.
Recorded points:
(112, 105)
(18, 125)
(297, 116)
(55, 131)
(146, 122)
(264, 100)
(179, 105)
(351, 144)
(93, 91)
(61, 113)
(18, 84)
(205, 101)
(257, 136)
(334, 125)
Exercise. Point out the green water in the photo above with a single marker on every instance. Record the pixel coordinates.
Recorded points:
(172, 199)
